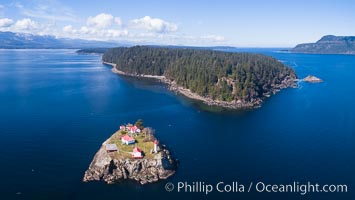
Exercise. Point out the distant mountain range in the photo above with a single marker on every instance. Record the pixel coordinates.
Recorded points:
(328, 44)
(10, 40)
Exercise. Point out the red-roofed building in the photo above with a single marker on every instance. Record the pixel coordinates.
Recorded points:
(122, 127)
(137, 153)
(134, 129)
(127, 140)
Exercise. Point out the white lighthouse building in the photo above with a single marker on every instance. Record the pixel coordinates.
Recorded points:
(156, 146)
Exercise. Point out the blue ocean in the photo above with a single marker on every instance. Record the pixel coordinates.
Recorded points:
(57, 107)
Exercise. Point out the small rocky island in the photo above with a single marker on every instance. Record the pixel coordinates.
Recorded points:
(312, 79)
(131, 153)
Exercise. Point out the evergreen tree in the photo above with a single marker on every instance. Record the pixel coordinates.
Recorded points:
(220, 75)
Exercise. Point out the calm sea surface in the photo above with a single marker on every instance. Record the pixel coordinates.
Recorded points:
(57, 107)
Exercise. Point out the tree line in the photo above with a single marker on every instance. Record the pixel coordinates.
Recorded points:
(220, 75)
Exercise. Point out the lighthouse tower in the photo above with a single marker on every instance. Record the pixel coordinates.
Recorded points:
(156, 146)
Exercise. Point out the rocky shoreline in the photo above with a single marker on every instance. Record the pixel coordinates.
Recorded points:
(235, 104)
(106, 167)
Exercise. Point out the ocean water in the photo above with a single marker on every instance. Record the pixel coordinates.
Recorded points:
(57, 107)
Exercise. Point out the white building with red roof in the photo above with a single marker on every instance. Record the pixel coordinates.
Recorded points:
(126, 139)
(137, 153)
(134, 129)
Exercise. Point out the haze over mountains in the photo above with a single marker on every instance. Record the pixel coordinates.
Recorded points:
(10, 40)
(328, 44)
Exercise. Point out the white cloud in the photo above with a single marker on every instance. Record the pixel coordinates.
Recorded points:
(87, 32)
(100, 27)
(26, 25)
(6, 22)
(69, 29)
(153, 24)
(112, 33)
(105, 27)
(102, 20)
(216, 38)
(176, 39)
(118, 21)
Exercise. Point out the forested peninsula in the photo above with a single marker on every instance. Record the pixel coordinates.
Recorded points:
(232, 80)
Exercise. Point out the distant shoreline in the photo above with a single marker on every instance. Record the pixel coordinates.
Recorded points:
(172, 86)
(328, 44)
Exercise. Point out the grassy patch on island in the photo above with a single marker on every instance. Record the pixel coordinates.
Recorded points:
(126, 150)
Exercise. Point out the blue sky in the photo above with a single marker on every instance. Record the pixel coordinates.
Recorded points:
(249, 23)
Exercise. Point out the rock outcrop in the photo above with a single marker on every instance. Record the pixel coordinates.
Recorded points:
(312, 79)
(106, 167)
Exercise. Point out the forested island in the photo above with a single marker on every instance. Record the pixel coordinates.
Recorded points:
(328, 44)
(233, 80)
(92, 51)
